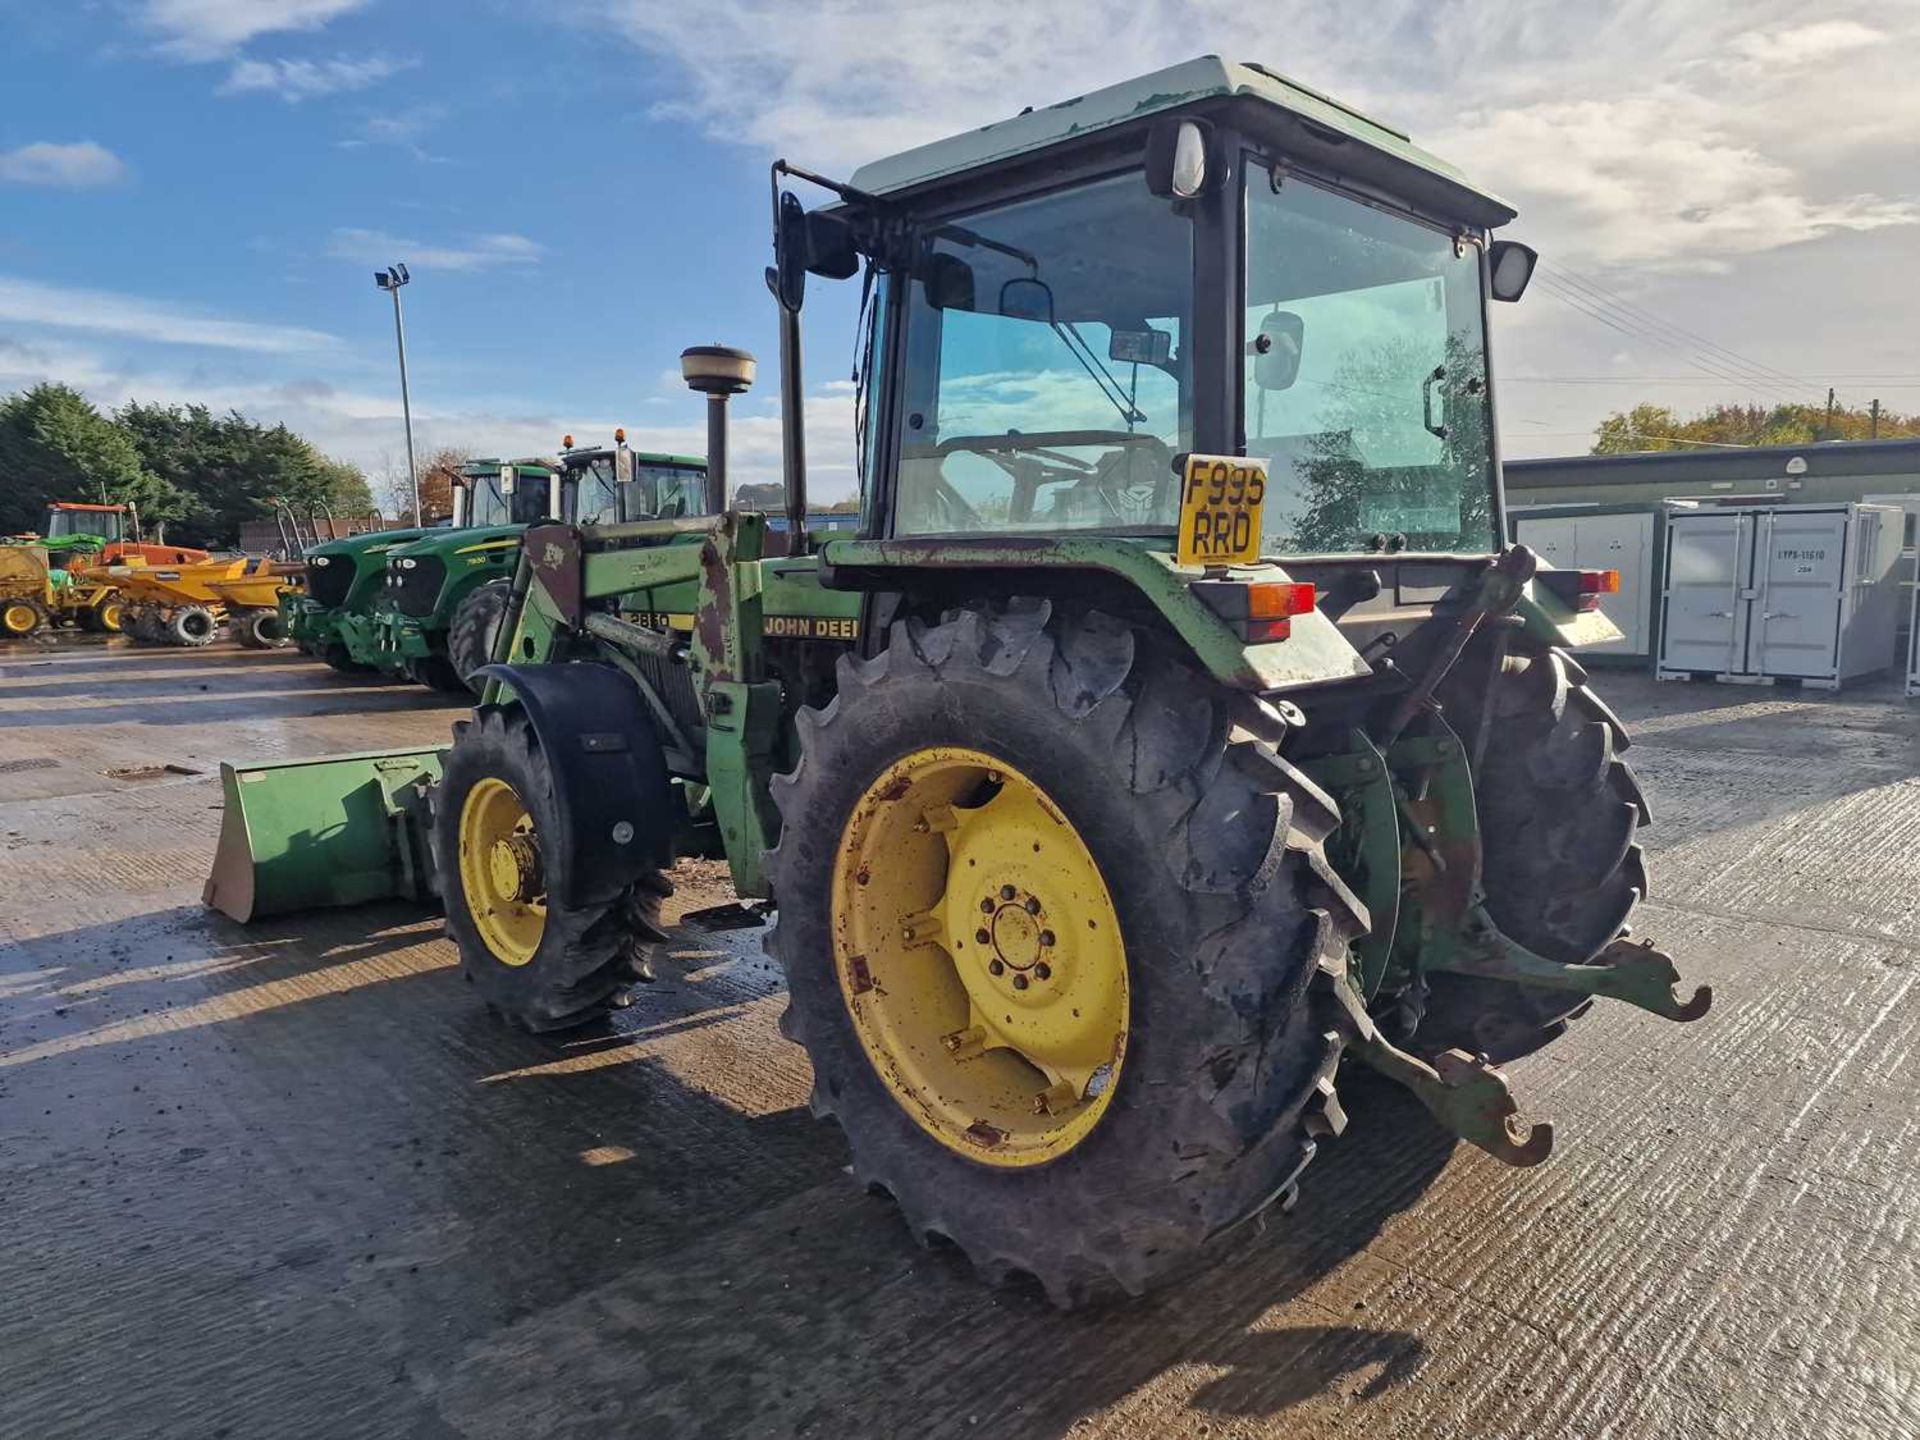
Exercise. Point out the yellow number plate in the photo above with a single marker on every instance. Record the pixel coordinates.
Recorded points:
(1220, 502)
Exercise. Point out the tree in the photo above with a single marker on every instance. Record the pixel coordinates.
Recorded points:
(1657, 427)
(437, 478)
(233, 469)
(54, 445)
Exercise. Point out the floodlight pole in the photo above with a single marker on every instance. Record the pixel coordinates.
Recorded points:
(391, 280)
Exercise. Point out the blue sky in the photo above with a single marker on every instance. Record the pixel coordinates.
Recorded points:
(194, 193)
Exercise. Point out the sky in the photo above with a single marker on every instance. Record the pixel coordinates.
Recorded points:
(194, 194)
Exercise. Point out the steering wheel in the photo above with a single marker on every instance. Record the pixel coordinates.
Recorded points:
(1033, 461)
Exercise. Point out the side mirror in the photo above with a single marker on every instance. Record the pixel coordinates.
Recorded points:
(1179, 159)
(788, 277)
(1509, 268)
(1276, 350)
(949, 282)
(507, 477)
(1025, 299)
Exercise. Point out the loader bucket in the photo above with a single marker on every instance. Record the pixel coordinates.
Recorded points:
(333, 830)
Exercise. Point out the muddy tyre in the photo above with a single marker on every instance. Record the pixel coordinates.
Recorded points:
(1560, 812)
(23, 617)
(1208, 848)
(259, 629)
(539, 965)
(191, 626)
(436, 672)
(476, 624)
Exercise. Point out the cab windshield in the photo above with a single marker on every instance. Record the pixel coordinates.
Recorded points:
(104, 523)
(489, 505)
(1045, 385)
(656, 492)
(1365, 383)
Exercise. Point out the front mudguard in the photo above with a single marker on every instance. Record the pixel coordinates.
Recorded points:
(613, 799)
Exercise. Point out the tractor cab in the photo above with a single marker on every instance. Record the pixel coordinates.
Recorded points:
(618, 485)
(491, 493)
(105, 523)
(1210, 311)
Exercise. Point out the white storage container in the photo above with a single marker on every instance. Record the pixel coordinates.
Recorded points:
(1913, 648)
(1755, 593)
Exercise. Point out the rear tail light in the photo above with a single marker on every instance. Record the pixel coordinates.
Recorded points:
(1581, 589)
(1260, 613)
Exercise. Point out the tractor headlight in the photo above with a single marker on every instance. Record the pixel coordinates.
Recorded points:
(320, 560)
(408, 563)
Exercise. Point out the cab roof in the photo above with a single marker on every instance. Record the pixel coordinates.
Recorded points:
(1208, 78)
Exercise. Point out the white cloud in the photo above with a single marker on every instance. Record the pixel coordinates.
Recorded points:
(29, 302)
(1633, 131)
(210, 29)
(297, 80)
(479, 252)
(77, 166)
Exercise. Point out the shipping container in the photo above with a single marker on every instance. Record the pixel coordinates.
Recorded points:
(1757, 593)
(1627, 538)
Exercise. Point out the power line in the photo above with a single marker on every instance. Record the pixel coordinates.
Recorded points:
(1626, 325)
(1733, 358)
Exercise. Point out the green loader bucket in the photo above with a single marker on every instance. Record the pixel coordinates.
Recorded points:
(334, 830)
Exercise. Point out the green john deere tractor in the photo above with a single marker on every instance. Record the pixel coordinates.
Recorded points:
(344, 578)
(447, 591)
(1172, 732)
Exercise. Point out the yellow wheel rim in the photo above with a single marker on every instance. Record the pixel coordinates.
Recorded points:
(980, 957)
(501, 873)
(110, 616)
(19, 619)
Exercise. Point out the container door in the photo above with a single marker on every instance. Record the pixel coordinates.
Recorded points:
(1709, 561)
(1551, 537)
(1801, 577)
(1623, 543)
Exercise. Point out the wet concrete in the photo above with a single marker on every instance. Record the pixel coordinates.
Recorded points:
(292, 1181)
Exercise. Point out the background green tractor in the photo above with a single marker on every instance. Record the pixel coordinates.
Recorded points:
(1172, 731)
(344, 578)
(447, 591)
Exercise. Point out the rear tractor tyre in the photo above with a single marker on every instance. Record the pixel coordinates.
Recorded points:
(21, 618)
(192, 626)
(539, 964)
(1049, 927)
(1559, 815)
(476, 624)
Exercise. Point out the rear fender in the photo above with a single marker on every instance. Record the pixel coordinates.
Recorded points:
(612, 796)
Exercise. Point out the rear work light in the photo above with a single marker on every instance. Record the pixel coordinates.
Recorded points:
(1260, 613)
(1581, 589)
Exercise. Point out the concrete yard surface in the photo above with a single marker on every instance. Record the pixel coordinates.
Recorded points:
(292, 1180)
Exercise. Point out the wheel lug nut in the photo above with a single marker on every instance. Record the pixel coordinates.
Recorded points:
(1046, 937)
(1033, 905)
(986, 906)
(1006, 892)
(1019, 982)
(1043, 971)
(982, 936)
(996, 967)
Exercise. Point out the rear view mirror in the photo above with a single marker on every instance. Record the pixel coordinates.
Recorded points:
(506, 479)
(949, 282)
(1027, 300)
(788, 276)
(1509, 268)
(1276, 350)
(1140, 347)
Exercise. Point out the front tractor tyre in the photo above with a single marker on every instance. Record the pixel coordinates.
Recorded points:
(1050, 927)
(470, 636)
(540, 964)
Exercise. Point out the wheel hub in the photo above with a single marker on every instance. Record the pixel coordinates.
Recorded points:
(514, 864)
(980, 957)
